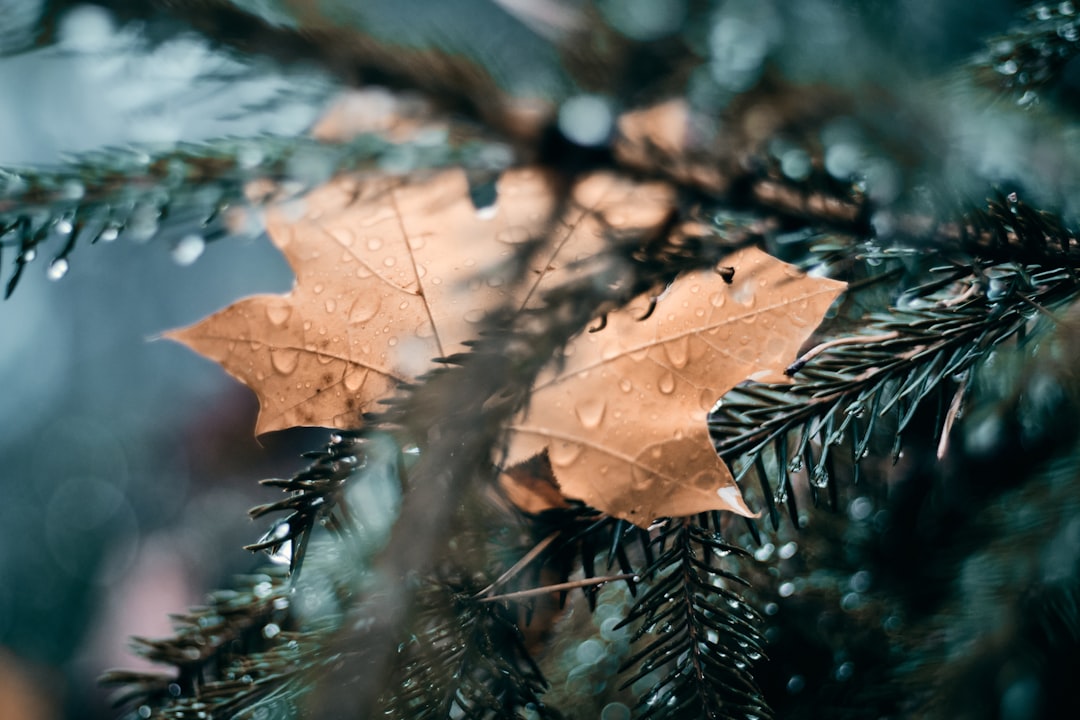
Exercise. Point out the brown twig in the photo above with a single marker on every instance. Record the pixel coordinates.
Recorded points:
(520, 564)
(557, 587)
(854, 340)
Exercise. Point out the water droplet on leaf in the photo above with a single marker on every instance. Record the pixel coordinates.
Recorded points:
(563, 452)
(284, 360)
(591, 412)
(678, 351)
(364, 308)
(666, 383)
(278, 312)
(354, 379)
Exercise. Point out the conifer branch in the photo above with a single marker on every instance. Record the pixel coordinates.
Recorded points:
(195, 188)
(700, 637)
(240, 651)
(465, 658)
(910, 356)
(1033, 55)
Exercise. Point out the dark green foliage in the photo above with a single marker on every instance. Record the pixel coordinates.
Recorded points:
(902, 360)
(696, 634)
(240, 653)
(1033, 55)
(188, 188)
(467, 659)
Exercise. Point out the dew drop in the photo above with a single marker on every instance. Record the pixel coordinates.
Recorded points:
(666, 383)
(278, 313)
(474, 316)
(626, 385)
(364, 308)
(641, 478)
(563, 452)
(512, 235)
(355, 379)
(591, 412)
(319, 287)
(330, 305)
(188, 249)
(389, 262)
(678, 351)
(284, 360)
(374, 243)
(57, 269)
(280, 554)
(344, 236)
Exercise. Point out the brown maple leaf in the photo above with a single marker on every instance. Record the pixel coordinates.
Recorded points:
(623, 418)
(392, 274)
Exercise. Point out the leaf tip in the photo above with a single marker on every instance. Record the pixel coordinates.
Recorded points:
(733, 498)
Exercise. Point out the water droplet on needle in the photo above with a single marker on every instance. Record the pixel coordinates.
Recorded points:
(57, 269)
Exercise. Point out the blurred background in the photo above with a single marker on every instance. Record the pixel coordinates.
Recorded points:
(127, 464)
